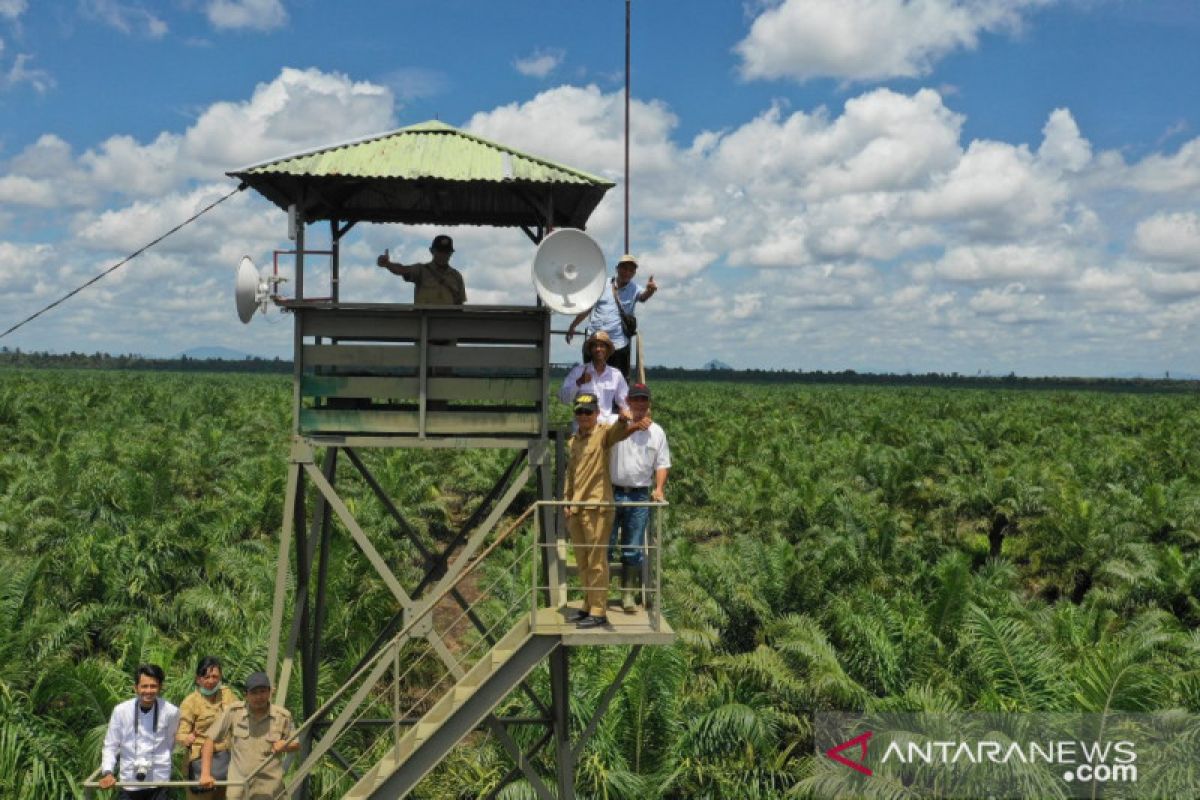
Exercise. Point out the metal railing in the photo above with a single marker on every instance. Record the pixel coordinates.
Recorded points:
(650, 568)
(91, 785)
(413, 670)
(438, 644)
(435, 648)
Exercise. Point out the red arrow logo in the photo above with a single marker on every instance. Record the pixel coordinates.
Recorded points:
(859, 741)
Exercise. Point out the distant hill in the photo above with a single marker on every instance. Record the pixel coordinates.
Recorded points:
(210, 353)
(717, 364)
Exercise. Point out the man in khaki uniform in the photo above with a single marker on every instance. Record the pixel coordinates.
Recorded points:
(437, 283)
(587, 480)
(197, 713)
(257, 731)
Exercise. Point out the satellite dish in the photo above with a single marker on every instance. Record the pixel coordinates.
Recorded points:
(250, 291)
(569, 271)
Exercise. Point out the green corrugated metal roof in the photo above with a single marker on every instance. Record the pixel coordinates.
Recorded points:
(428, 150)
(430, 172)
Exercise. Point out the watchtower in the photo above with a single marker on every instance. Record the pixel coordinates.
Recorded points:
(488, 607)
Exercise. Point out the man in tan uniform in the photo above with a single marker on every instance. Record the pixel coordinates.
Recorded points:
(587, 480)
(437, 283)
(197, 713)
(256, 730)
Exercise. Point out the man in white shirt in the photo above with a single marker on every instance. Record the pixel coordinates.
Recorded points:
(141, 735)
(614, 310)
(638, 468)
(596, 377)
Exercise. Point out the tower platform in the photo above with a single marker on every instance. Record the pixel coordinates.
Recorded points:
(622, 629)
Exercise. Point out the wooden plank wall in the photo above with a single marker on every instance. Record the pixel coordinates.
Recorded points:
(484, 371)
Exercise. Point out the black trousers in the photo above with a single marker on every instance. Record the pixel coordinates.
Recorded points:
(144, 794)
(620, 360)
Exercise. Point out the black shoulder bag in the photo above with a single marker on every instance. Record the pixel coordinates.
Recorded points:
(628, 321)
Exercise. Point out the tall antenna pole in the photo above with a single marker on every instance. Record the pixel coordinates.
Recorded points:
(627, 3)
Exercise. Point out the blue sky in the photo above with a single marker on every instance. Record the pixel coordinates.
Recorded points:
(950, 185)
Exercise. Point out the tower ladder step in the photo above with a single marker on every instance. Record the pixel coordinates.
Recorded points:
(455, 714)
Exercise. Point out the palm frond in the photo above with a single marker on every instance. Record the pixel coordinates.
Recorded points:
(1018, 669)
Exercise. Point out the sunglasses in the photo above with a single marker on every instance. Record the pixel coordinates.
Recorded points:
(584, 412)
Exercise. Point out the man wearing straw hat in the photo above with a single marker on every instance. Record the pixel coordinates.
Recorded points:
(597, 377)
(614, 312)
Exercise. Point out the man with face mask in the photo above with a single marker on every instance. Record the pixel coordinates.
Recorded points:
(141, 735)
(198, 711)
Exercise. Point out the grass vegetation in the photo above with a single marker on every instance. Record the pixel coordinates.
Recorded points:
(835, 547)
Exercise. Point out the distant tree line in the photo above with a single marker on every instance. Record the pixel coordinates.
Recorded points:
(949, 380)
(15, 357)
(98, 360)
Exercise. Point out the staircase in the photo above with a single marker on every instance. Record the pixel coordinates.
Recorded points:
(456, 714)
(444, 674)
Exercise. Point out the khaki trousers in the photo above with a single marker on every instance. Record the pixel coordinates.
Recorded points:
(589, 529)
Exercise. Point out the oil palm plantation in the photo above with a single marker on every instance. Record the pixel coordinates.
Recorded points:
(873, 550)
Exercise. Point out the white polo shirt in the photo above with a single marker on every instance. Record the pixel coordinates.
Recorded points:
(634, 461)
(133, 735)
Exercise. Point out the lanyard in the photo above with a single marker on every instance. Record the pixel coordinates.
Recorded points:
(137, 714)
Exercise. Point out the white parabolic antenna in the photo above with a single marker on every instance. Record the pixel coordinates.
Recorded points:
(250, 291)
(569, 271)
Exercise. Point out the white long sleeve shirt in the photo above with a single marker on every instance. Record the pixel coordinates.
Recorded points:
(608, 386)
(132, 742)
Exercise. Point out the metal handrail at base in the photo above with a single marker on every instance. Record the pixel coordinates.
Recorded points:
(91, 785)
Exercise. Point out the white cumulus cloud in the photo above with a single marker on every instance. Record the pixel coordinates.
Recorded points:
(1007, 262)
(21, 190)
(995, 190)
(871, 235)
(1010, 304)
(1170, 237)
(864, 40)
(20, 264)
(1160, 172)
(1062, 145)
(299, 109)
(125, 229)
(123, 164)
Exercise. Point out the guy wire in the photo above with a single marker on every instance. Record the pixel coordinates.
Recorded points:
(125, 260)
